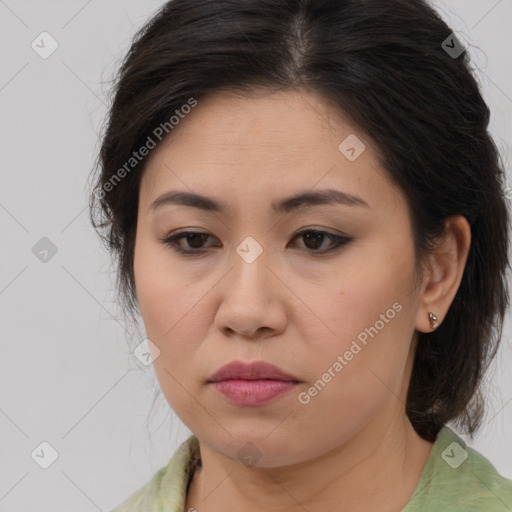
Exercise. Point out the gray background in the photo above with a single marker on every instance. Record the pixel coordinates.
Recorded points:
(67, 375)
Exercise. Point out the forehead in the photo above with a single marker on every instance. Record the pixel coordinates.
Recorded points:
(267, 145)
(279, 122)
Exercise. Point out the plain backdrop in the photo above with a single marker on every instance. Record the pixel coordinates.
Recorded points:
(67, 377)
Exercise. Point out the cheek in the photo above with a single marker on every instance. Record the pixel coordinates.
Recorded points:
(167, 303)
(168, 308)
(160, 290)
(370, 319)
(174, 310)
(150, 287)
(355, 305)
(359, 373)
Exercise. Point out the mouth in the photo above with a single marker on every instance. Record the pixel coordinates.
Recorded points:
(258, 370)
(253, 392)
(252, 384)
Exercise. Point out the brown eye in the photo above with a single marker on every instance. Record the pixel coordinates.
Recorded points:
(195, 240)
(314, 239)
(191, 243)
(187, 242)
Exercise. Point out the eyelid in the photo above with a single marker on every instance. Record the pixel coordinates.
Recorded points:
(337, 241)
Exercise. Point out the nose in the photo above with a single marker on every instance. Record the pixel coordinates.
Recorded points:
(253, 300)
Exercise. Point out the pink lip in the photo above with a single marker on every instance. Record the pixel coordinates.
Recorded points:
(254, 383)
(257, 370)
(253, 392)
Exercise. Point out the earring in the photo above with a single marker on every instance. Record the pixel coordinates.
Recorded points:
(433, 320)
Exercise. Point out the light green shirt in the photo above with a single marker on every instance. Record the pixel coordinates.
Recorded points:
(456, 478)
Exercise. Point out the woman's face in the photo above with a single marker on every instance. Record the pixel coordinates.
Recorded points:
(341, 321)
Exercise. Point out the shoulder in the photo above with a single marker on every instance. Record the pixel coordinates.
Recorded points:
(166, 491)
(458, 478)
(145, 497)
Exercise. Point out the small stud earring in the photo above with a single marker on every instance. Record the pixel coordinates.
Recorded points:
(433, 320)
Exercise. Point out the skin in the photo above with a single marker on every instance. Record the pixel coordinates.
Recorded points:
(352, 447)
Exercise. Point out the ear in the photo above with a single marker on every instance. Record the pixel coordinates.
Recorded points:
(444, 272)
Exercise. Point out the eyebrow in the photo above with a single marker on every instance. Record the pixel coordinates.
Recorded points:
(286, 205)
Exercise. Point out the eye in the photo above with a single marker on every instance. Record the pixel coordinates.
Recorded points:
(193, 241)
(314, 239)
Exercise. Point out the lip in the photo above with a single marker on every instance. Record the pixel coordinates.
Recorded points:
(252, 384)
(258, 370)
(253, 392)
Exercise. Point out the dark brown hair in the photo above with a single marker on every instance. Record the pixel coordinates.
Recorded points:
(384, 65)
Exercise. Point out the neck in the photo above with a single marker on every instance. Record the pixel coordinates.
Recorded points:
(378, 469)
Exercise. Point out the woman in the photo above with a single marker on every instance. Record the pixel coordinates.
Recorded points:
(309, 216)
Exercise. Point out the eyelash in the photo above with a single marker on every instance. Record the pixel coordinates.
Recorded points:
(173, 242)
